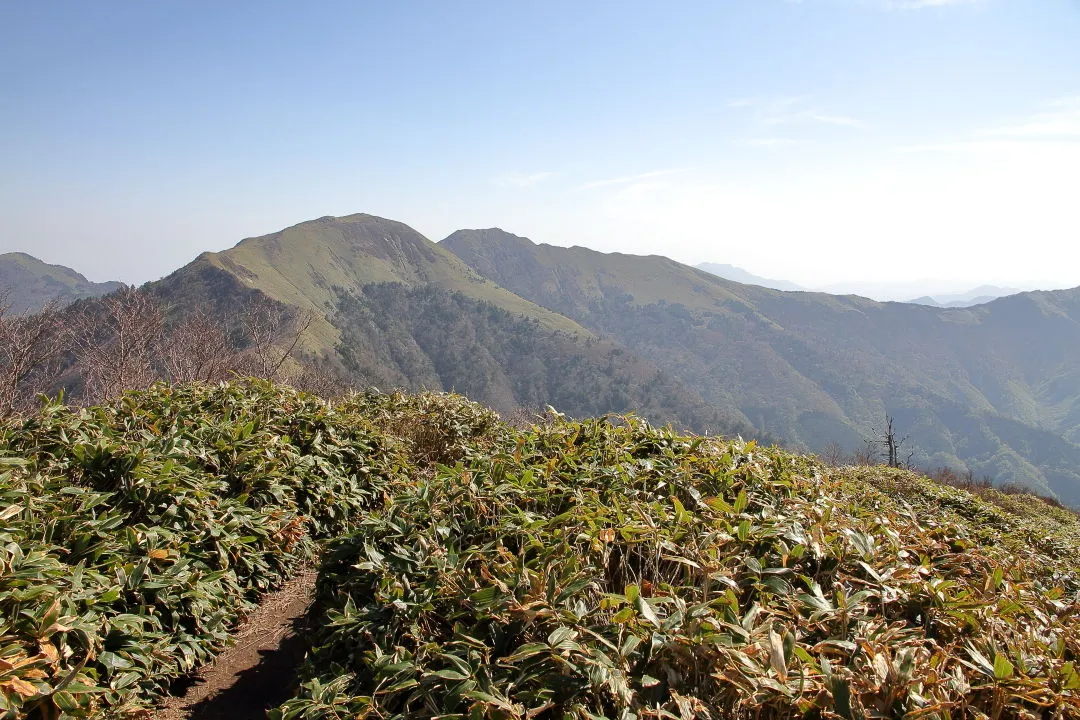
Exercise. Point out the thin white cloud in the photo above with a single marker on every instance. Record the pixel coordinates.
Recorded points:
(1058, 125)
(523, 180)
(982, 147)
(791, 110)
(631, 179)
(1062, 122)
(777, 104)
(1069, 102)
(811, 116)
(765, 142)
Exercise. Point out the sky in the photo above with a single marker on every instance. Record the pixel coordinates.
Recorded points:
(881, 142)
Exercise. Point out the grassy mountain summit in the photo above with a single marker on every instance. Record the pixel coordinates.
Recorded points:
(572, 279)
(993, 388)
(393, 309)
(31, 283)
(305, 265)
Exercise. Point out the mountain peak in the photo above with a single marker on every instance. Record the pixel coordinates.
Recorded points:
(30, 283)
(486, 238)
(310, 263)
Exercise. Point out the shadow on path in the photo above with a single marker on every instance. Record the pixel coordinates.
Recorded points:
(258, 672)
(256, 689)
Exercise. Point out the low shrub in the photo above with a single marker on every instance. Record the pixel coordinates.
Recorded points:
(134, 536)
(615, 570)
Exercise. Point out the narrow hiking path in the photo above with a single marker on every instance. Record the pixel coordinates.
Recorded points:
(258, 671)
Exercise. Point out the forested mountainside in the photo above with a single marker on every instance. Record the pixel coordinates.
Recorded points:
(994, 388)
(427, 337)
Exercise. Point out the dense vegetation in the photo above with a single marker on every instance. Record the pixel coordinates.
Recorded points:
(394, 336)
(602, 568)
(611, 569)
(991, 389)
(134, 536)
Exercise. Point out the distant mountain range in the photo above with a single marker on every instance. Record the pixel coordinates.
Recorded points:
(395, 309)
(992, 389)
(976, 296)
(730, 272)
(30, 283)
(880, 291)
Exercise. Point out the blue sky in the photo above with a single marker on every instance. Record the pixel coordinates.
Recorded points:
(818, 141)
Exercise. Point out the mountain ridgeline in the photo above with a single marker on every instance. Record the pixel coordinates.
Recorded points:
(991, 390)
(393, 309)
(31, 283)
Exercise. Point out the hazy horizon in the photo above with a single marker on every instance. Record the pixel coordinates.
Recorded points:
(819, 142)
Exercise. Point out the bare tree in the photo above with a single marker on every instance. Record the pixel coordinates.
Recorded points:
(118, 340)
(275, 335)
(866, 456)
(833, 454)
(319, 377)
(892, 447)
(31, 349)
(198, 349)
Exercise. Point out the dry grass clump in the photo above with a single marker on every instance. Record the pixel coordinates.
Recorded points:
(435, 428)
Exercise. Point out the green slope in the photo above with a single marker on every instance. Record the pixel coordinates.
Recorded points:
(30, 283)
(394, 309)
(429, 338)
(302, 265)
(995, 388)
(573, 279)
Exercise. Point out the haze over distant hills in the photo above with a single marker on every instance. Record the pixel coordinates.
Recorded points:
(924, 292)
(731, 272)
(995, 389)
(975, 296)
(992, 389)
(31, 283)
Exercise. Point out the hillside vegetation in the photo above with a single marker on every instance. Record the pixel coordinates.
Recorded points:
(393, 336)
(134, 536)
(990, 389)
(595, 568)
(391, 308)
(30, 284)
(305, 264)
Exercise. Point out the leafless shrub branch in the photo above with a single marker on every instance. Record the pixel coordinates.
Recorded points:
(198, 349)
(31, 349)
(117, 340)
(274, 334)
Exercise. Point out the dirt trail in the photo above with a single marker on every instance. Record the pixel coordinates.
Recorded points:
(258, 671)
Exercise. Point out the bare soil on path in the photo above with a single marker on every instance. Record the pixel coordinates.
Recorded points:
(258, 671)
